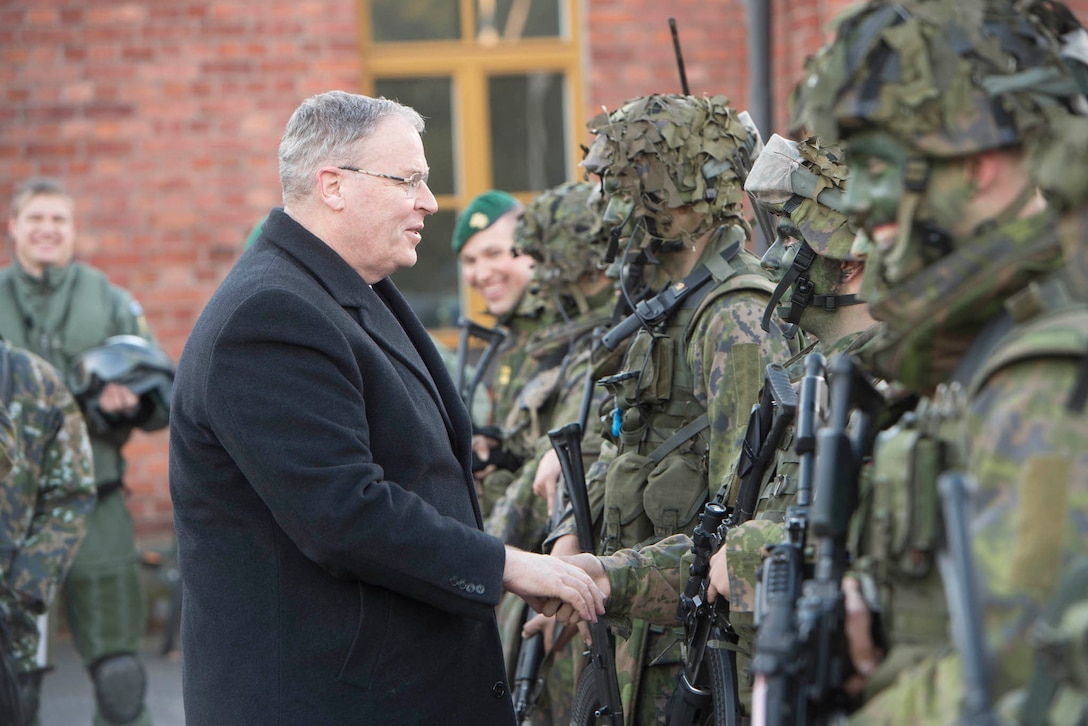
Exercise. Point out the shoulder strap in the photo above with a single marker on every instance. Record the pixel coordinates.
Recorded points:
(1061, 333)
(7, 380)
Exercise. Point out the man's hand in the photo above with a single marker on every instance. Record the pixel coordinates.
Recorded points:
(481, 447)
(719, 576)
(547, 477)
(118, 400)
(859, 637)
(547, 584)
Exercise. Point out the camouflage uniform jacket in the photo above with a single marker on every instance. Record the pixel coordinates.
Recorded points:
(646, 582)
(552, 397)
(1027, 454)
(506, 376)
(707, 357)
(46, 496)
(708, 360)
(67, 311)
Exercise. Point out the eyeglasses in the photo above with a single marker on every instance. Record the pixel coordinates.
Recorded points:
(411, 183)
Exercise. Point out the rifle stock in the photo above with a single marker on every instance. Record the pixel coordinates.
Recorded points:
(567, 442)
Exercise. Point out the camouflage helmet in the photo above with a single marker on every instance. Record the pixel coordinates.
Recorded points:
(948, 78)
(562, 230)
(666, 151)
(805, 181)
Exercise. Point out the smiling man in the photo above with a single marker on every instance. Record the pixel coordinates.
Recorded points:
(57, 308)
(329, 535)
(484, 242)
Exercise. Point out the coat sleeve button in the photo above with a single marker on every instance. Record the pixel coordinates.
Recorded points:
(499, 689)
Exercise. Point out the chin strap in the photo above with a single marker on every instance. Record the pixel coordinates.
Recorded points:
(804, 294)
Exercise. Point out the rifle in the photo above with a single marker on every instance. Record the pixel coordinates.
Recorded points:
(567, 442)
(767, 424)
(494, 337)
(960, 578)
(781, 573)
(801, 647)
(694, 694)
(527, 682)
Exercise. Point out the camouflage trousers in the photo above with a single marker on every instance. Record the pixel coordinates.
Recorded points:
(647, 664)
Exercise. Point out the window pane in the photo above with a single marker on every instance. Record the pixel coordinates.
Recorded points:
(431, 97)
(431, 285)
(514, 19)
(528, 135)
(393, 20)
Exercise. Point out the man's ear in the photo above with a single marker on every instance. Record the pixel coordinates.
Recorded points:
(986, 169)
(851, 270)
(330, 188)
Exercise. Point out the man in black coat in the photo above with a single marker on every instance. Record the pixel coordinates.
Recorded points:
(328, 530)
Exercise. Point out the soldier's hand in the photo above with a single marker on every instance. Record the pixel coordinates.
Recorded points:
(859, 636)
(481, 448)
(116, 399)
(546, 624)
(540, 580)
(547, 477)
(591, 565)
(719, 576)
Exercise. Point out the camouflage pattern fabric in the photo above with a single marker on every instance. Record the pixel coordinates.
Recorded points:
(1029, 460)
(508, 373)
(949, 80)
(46, 497)
(665, 151)
(519, 517)
(928, 71)
(805, 181)
(562, 229)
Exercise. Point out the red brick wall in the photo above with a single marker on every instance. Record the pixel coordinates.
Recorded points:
(629, 48)
(164, 119)
(164, 116)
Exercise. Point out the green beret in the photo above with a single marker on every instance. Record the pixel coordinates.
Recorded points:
(481, 213)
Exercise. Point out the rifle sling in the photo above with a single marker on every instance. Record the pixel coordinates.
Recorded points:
(681, 435)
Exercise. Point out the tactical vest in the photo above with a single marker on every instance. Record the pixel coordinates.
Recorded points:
(657, 483)
(80, 313)
(86, 323)
(897, 530)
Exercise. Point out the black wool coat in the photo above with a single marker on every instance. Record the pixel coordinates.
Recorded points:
(329, 536)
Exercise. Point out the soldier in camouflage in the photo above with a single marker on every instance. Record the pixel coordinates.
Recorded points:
(45, 497)
(678, 406)
(483, 240)
(60, 309)
(954, 116)
(563, 233)
(802, 184)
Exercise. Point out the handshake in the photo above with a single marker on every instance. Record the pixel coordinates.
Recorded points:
(568, 588)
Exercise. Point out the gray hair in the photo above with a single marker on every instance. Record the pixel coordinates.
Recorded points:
(323, 130)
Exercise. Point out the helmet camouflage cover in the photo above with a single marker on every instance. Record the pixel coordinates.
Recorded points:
(806, 181)
(562, 230)
(949, 78)
(666, 151)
